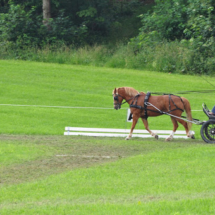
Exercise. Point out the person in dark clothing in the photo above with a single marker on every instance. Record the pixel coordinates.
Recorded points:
(212, 111)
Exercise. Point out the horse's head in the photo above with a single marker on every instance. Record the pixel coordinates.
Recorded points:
(117, 99)
(121, 93)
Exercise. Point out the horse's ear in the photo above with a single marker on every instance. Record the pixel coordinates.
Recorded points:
(115, 90)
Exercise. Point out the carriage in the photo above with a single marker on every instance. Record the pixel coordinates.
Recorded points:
(208, 127)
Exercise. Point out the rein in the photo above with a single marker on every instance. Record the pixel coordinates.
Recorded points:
(117, 99)
(184, 92)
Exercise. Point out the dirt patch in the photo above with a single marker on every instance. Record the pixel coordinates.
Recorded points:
(67, 153)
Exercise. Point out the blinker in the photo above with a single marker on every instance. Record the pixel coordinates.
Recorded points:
(115, 98)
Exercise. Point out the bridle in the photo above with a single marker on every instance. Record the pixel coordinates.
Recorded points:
(116, 98)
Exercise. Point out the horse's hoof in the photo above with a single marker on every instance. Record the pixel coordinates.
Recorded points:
(127, 138)
(168, 139)
(156, 137)
(192, 137)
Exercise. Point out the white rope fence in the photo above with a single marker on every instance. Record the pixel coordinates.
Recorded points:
(48, 106)
(64, 107)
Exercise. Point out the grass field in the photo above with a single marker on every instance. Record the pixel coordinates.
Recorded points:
(44, 172)
(29, 83)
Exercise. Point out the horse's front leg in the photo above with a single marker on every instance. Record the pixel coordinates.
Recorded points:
(145, 122)
(134, 122)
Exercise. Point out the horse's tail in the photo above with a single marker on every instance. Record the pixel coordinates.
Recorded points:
(188, 112)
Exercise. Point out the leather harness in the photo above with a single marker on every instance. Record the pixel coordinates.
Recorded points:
(140, 107)
(145, 105)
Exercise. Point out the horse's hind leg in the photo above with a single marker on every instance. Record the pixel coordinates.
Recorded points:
(145, 122)
(175, 126)
(188, 132)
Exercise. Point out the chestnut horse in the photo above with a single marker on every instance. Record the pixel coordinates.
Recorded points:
(144, 105)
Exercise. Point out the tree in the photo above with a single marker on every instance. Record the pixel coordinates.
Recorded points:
(46, 12)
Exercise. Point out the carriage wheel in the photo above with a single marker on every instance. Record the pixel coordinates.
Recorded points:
(208, 131)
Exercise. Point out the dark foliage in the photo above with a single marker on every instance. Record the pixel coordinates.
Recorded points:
(192, 22)
(75, 22)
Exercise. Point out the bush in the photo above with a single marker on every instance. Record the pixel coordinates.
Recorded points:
(24, 30)
(192, 22)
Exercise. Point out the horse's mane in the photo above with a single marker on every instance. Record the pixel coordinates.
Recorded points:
(130, 91)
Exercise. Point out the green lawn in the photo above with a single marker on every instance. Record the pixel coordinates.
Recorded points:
(30, 83)
(140, 177)
(44, 172)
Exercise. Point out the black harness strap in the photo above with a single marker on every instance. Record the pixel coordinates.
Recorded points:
(176, 107)
(135, 100)
(132, 105)
(145, 104)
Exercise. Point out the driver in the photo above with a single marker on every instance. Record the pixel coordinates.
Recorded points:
(212, 111)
